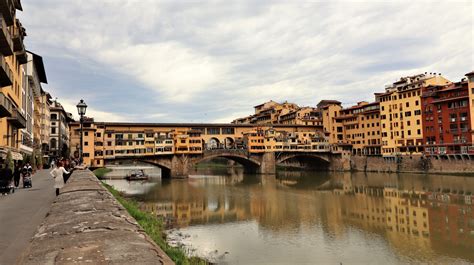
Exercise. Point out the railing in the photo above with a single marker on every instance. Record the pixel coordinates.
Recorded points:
(18, 119)
(6, 44)
(6, 107)
(7, 9)
(5, 73)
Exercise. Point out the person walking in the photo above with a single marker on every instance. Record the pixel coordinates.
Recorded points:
(58, 175)
(17, 174)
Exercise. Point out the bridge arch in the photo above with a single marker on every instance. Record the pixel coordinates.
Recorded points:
(165, 169)
(250, 164)
(309, 159)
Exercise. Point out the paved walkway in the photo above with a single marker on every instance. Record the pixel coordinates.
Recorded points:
(20, 215)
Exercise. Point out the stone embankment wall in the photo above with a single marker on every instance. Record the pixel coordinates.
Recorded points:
(87, 225)
(416, 164)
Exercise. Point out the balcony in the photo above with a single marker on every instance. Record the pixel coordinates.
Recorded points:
(19, 34)
(6, 106)
(17, 119)
(6, 44)
(5, 73)
(7, 8)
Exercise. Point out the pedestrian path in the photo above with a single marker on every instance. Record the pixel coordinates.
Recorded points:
(20, 215)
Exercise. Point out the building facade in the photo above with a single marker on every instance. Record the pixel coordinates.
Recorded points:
(360, 128)
(401, 114)
(12, 56)
(447, 119)
(59, 135)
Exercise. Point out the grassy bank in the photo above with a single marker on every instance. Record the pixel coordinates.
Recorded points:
(100, 172)
(154, 228)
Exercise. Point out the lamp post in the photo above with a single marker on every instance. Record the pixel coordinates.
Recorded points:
(81, 110)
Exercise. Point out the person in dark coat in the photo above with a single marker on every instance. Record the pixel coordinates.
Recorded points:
(7, 173)
(17, 174)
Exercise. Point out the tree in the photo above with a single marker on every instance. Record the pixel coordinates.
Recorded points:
(9, 160)
(33, 160)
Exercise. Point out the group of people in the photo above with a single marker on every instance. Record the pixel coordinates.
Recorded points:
(20, 170)
(61, 170)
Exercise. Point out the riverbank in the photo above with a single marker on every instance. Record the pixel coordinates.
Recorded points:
(155, 229)
(412, 164)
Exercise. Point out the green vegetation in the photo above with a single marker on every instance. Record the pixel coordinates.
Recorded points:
(9, 161)
(154, 228)
(100, 172)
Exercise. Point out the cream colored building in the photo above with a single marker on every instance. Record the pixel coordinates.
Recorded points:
(401, 114)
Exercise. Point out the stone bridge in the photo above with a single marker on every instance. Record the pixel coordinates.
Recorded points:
(179, 166)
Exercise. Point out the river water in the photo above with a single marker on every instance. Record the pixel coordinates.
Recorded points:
(309, 217)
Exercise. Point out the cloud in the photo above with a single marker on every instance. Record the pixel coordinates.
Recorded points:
(92, 112)
(209, 60)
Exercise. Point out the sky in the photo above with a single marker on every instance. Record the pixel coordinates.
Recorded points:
(212, 61)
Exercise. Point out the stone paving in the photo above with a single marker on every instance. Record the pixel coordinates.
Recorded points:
(86, 225)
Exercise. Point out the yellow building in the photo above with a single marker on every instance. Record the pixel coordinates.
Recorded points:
(329, 112)
(400, 114)
(361, 128)
(13, 55)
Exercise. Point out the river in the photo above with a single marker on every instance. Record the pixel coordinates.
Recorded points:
(304, 217)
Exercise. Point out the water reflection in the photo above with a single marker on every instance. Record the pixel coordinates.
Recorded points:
(413, 218)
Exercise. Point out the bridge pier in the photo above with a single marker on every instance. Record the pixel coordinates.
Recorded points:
(180, 166)
(268, 163)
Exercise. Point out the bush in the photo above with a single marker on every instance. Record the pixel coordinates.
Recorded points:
(100, 172)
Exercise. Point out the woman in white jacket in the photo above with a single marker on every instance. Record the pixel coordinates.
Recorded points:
(57, 174)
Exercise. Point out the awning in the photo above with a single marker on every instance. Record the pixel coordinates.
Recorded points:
(15, 155)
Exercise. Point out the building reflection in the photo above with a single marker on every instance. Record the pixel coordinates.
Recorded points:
(426, 212)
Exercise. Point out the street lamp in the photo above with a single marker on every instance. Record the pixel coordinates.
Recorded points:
(81, 110)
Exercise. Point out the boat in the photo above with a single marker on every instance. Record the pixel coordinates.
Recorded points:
(136, 175)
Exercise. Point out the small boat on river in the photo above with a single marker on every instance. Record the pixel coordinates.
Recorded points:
(136, 175)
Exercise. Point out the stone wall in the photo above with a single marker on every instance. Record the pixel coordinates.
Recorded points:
(416, 164)
(87, 225)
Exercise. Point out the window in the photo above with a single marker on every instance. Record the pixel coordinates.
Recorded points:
(54, 116)
(53, 130)
(213, 131)
(109, 143)
(417, 103)
(85, 155)
(86, 143)
(86, 133)
(98, 134)
(109, 135)
(228, 131)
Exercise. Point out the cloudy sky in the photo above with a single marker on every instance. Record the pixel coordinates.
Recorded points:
(212, 61)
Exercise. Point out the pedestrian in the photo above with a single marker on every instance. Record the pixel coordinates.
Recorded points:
(7, 173)
(17, 174)
(58, 175)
